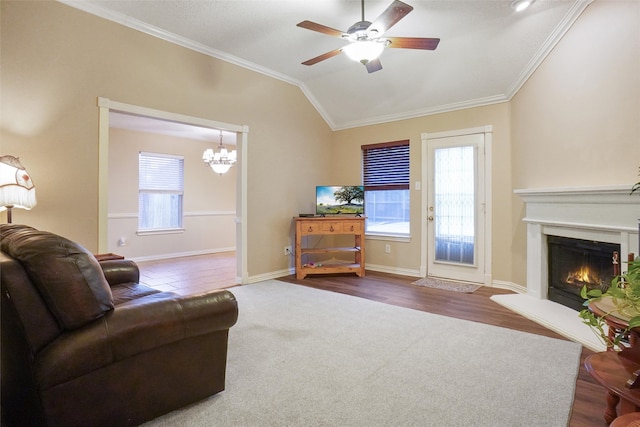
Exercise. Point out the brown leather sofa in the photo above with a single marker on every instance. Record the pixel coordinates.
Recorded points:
(84, 344)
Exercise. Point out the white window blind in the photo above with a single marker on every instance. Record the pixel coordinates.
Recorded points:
(160, 191)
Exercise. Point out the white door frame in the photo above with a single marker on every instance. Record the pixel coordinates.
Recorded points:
(488, 132)
(105, 106)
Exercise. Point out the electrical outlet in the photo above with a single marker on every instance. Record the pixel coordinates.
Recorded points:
(387, 249)
(288, 251)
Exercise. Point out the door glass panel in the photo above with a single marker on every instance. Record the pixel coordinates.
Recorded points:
(454, 191)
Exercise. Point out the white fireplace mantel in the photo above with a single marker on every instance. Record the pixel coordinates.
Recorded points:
(605, 214)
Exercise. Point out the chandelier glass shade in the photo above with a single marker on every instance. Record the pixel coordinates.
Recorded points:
(220, 160)
(364, 51)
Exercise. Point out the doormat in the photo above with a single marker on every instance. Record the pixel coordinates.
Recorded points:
(431, 282)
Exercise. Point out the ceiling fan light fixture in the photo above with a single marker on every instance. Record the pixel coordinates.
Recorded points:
(520, 5)
(364, 51)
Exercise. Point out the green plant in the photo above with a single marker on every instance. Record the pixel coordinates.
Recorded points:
(624, 293)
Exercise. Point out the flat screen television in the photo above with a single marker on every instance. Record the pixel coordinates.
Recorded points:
(339, 199)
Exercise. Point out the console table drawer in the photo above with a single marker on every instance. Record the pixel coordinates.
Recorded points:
(320, 227)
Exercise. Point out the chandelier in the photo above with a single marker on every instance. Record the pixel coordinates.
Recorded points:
(221, 160)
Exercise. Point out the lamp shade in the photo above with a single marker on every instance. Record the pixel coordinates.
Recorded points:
(16, 187)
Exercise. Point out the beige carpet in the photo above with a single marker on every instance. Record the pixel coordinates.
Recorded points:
(304, 357)
(431, 282)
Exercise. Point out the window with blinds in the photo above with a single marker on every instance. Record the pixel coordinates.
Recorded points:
(385, 175)
(160, 191)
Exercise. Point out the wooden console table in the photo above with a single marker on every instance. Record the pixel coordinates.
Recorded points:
(326, 226)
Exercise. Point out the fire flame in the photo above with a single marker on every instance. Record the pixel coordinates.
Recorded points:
(583, 275)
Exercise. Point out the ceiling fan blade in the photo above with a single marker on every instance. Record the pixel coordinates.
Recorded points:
(413, 43)
(322, 57)
(320, 28)
(395, 12)
(373, 66)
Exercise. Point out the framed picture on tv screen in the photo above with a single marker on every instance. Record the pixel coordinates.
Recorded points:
(339, 199)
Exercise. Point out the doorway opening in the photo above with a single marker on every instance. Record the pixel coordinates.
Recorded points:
(107, 107)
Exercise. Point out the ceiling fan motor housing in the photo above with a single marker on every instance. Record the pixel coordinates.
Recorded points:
(358, 31)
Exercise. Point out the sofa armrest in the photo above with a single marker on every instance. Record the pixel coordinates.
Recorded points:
(120, 271)
(132, 328)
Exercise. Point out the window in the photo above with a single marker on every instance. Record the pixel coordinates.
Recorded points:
(385, 175)
(160, 191)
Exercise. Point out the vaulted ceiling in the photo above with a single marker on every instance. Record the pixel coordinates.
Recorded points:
(487, 50)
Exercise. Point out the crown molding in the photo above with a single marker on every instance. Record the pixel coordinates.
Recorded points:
(564, 26)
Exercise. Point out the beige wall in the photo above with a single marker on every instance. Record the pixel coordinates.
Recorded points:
(209, 200)
(56, 62)
(576, 122)
(406, 256)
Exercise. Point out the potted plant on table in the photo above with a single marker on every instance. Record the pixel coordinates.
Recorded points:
(621, 300)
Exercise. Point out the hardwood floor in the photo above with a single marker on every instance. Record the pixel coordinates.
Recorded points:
(215, 271)
(190, 275)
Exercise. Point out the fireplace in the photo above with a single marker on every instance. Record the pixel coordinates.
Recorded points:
(576, 263)
(594, 214)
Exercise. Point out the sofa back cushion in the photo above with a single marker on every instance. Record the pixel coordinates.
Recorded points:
(68, 277)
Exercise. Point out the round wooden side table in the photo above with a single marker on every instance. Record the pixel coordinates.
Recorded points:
(627, 420)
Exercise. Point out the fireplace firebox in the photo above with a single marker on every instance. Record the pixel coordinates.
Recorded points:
(574, 263)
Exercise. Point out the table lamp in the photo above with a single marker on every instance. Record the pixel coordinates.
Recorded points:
(16, 187)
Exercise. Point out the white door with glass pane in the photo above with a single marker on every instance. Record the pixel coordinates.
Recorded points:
(456, 207)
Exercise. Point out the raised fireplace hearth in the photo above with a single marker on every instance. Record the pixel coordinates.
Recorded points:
(606, 215)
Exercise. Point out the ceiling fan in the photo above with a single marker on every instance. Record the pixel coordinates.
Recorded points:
(366, 38)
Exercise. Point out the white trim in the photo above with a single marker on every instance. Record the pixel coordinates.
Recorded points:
(394, 270)
(604, 213)
(501, 284)
(404, 238)
(460, 132)
(550, 43)
(134, 215)
(168, 116)
(157, 231)
(481, 102)
(564, 26)
(487, 131)
(163, 155)
(182, 254)
(269, 276)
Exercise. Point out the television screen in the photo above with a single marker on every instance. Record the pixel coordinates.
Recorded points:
(336, 199)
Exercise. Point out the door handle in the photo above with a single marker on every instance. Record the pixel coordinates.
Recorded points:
(430, 218)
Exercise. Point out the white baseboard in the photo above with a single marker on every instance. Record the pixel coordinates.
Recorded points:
(510, 286)
(393, 270)
(271, 275)
(181, 254)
